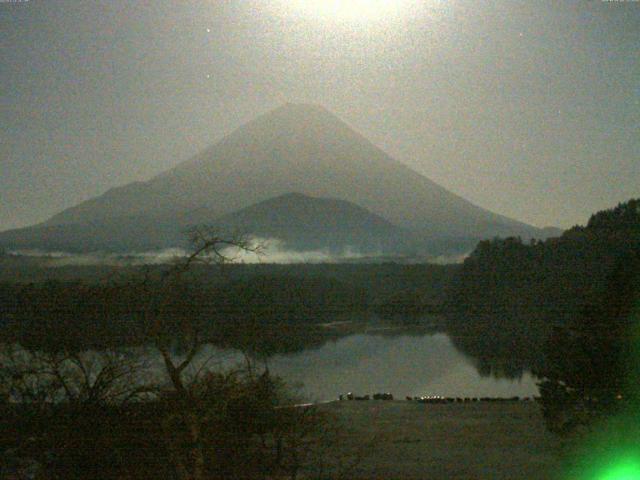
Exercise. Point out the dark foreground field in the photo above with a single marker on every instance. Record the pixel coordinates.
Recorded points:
(398, 439)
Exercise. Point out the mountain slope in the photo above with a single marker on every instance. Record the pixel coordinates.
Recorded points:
(306, 223)
(296, 148)
(299, 221)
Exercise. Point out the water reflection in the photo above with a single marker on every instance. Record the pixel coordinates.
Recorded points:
(403, 364)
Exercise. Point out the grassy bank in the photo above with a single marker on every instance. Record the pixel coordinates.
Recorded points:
(399, 439)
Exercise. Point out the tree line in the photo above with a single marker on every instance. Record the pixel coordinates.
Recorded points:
(564, 308)
(76, 401)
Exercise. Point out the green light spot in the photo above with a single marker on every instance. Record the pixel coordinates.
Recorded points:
(629, 470)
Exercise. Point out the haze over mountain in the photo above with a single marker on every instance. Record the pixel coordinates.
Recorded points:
(307, 223)
(295, 148)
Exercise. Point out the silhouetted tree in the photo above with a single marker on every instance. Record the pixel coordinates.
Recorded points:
(591, 365)
(508, 298)
(93, 414)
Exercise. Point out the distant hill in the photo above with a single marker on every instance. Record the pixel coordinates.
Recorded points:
(306, 223)
(119, 234)
(295, 148)
(301, 222)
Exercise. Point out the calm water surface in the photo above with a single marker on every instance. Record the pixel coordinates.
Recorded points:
(401, 364)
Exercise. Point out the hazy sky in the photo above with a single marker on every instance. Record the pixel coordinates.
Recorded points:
(530, 109)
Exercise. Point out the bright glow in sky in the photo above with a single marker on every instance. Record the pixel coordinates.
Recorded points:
(529, 109)
(359, 11)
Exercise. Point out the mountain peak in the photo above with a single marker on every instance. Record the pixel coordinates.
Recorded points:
(298, 115)
(298, 147)
(301, 107)
(292, 196)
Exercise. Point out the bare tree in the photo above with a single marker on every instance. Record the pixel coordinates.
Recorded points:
(209, 422)
(188, 406)
(42, 378)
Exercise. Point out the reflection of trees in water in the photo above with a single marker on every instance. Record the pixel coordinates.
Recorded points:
(268, 340)
(500, 347)
(83, 316)
(504, 354)
(509, 296)
(289, 339)
(282, 338)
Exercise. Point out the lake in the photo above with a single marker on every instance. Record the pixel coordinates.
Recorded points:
(405, 365)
